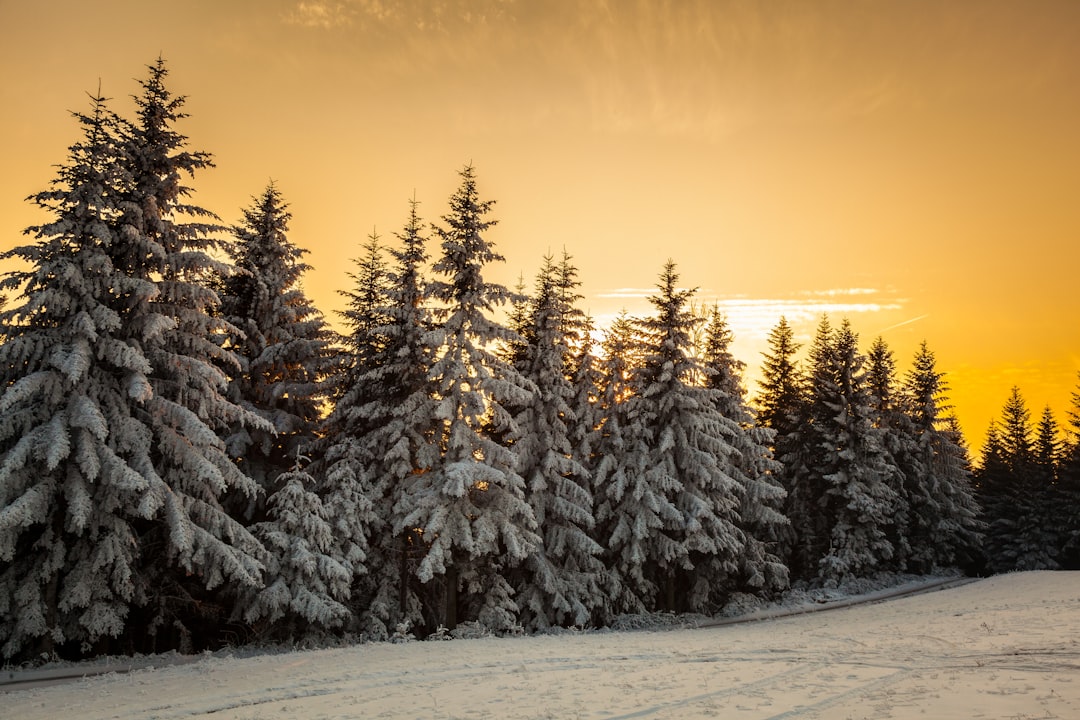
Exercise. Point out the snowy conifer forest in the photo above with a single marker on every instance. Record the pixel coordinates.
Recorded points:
(190, 455)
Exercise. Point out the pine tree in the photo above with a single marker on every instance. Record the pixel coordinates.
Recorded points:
(688, 459)
(855, 472)
(470, 507)
(399, 441)
(73, 473)
(1069, 488)
(801, 451)
(1047, 448)
(586, 380)
(897, 435)
(761, 503)
(944, 528)
(306, 584)
(632, 516)
(119, 322)
(781, 405)
(782, 390)
(346, 462)
(1014, 496)
(173, 319)
(560, 580)
(284, 349)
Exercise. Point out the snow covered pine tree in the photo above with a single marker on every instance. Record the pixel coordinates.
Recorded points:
(470, 506)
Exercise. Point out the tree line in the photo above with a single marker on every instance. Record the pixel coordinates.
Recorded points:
(190, 456)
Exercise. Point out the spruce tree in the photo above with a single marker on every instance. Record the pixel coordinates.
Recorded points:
(174, 320)
(283, 344)
(855, 475)
(560, 580)
(688, 459)
(910, 482)
(944, 530)
(470, 507)
(1069, 488)
(781, 406)
(632, 516)
(1047, 448)
(399, 436)
(284, 348)
(125, 298)
(307, 584)
(586, 379)
(801, 451)
(345, 461)
(1015, 497)
(73, 473)
(761, 518)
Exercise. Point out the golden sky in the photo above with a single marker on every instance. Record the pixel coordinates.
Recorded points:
(913, 166)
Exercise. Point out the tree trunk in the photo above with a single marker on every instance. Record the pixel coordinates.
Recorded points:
(450, 621)
(403, 585)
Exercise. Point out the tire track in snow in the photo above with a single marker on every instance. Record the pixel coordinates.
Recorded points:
(745, 688)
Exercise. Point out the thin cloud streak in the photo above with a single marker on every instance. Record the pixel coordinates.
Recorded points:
(905, 322)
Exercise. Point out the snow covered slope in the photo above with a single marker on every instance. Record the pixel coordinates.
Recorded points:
(1006, 647)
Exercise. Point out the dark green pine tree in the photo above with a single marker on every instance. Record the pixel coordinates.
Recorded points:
(898, 439)
(633, 518)
(1069, 488)
(284, 343)
(1047, 449)
(344, 462)
(1015, 497)
(801, 451)
(689, 459)
(399, 440)
(560, 582)
(119, 287)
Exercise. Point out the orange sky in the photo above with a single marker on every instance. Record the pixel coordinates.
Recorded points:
(913, 166)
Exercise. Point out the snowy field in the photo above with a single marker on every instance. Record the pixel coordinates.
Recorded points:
(1006, 647)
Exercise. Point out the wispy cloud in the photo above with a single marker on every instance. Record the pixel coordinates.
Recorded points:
(322, 14)
(840, 292)
(754, 317)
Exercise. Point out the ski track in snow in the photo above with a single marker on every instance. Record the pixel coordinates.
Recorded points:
(1006, 647)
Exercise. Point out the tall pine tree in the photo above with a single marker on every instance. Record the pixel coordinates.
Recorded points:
(284, 349)
(400, 436)
(174, 320)
(852, 482)
(944, 530)
(781, 406)
(761, 517)
(346, 463)
(74, 471)
(688, 459)
(632, 516)
(561, 580)
(470, 506)
(1016, 496)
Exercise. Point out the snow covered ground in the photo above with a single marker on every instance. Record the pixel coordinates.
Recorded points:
(1006, 647)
